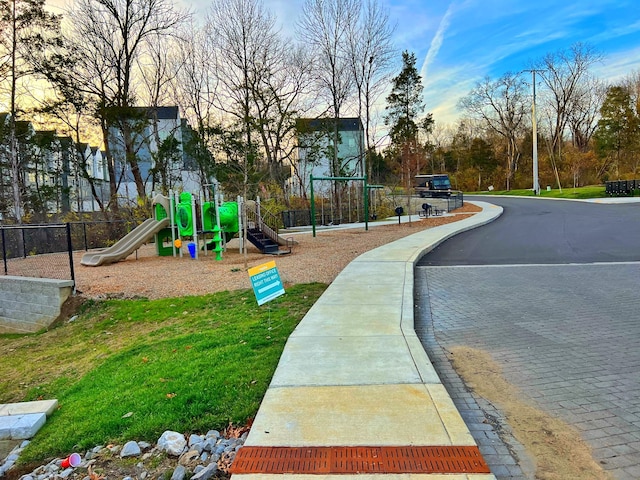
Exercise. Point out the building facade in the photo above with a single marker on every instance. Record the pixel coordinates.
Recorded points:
(156, 136)
(315, 152)
(58, 175)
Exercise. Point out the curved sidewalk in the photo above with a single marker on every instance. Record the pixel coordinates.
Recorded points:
(354, 374)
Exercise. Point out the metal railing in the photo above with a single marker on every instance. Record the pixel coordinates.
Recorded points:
(264, 221)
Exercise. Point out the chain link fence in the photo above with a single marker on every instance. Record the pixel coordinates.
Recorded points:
(38, 251)
(46, 250)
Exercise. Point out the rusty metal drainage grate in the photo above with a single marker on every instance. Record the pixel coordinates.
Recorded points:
(350, 460)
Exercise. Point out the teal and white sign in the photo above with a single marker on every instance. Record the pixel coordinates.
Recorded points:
(266, 282)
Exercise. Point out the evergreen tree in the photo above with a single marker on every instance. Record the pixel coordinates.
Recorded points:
(618, 133)
(404, 108)
(405, 103)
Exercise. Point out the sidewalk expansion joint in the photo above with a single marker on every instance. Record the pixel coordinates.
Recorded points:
(359, 460)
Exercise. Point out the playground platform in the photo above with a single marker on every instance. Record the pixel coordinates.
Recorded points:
(354, 391)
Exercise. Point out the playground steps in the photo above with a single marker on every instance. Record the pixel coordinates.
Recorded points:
(264, 243)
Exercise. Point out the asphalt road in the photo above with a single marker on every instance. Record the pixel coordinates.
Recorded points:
(546, 231)
(552, 291)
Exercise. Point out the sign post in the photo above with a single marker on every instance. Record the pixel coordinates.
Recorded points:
(266, 282)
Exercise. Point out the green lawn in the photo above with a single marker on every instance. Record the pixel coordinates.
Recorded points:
(131, 369)
(596, 191)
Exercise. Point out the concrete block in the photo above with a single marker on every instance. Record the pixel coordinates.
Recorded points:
(32, 302)
(27, 425)
(20, 427)
(5, 427)
(23, 408)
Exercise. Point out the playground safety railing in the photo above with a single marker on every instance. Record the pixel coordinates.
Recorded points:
(265, 221)
(37, 251)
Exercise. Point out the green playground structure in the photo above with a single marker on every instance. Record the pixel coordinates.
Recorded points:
(184, 220)
(218, 222)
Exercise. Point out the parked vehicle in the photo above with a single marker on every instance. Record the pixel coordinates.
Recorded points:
(433, 186)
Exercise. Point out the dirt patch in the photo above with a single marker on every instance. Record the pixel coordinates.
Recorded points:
(68, 309)
(313, 259)
(557, 449)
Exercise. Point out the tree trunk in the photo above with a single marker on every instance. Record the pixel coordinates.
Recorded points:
(113, 183)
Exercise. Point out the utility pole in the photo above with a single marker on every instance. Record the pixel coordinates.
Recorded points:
(534, 123)
(534, 133)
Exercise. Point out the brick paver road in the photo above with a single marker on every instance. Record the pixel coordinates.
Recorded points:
(568, 335)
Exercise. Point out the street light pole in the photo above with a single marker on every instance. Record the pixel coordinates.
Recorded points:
(536, 184)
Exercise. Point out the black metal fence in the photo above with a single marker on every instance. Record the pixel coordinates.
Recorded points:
(46, 250)
(296, 218)
(299, 218)
(89, 235)
(39, 251)
(455, 201)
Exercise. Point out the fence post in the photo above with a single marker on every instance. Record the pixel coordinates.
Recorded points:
(84, 232)
(4, 251)
(70, 249)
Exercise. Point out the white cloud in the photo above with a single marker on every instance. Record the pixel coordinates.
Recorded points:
(436, 42)
(619, 65)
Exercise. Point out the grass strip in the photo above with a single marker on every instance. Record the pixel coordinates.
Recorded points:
(582, 193)
(131, 369)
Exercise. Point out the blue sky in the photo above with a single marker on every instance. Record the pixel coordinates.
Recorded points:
(457, 43)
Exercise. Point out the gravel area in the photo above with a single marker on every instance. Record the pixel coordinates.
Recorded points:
(319, 259)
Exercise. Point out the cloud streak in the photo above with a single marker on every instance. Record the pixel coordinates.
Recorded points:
(436, 42)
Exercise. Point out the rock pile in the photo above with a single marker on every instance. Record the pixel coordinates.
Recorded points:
(175, 457)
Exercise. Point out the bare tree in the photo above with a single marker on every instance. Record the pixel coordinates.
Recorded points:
(195, 85)
(158, 70)
(27, 33)
(110, 38)
(583, 112)
(371, 52)
(278, 101)
(501, 105)
(246, 42)
(440, 137)
(563, 73)
(324, 26)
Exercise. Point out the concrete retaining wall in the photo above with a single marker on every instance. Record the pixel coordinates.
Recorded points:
(28, 305)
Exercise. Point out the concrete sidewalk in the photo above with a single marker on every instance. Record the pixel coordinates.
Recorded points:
(354, 374)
